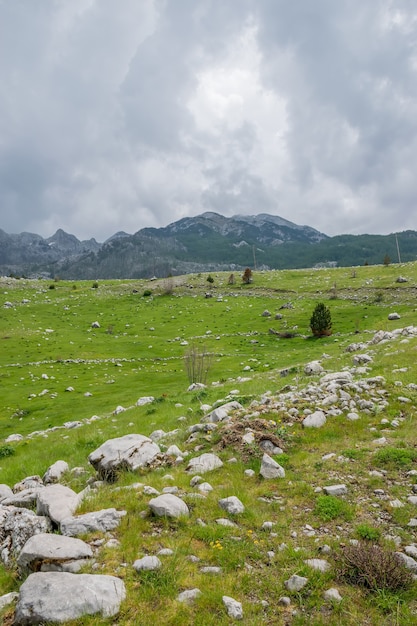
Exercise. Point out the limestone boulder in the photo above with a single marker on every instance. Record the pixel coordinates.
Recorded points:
(206, 462)
(57, 502)
(130, 452)
(55, 472)
(49, 552)
(102, 521)
(168, 505)
(59, 597)
(270, 468)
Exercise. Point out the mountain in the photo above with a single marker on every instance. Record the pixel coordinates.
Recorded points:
(206, 243)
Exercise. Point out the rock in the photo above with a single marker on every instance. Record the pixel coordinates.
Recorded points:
(394, 316)
(54, 473)
(49, 552)
(189, 595)
(102, 521)
(332, 595)
(313, 367)
(147, 564)
(335, 490)
(408, 561)
(270, 468)
(340, 377)
(232, 505)
(269, 447)
(223, 521)
(168, 505)
(315, 420)
(7, 599)
(266, 313)
(412, 499)
(320, 565)
(30, 482)
(57, 502)
(5, 492)
(145, 400)
(233, 607)
(207, 462)
(130, 452)
(95, 325)
(14, 437)
(211, 569)
(61, 596)
(16, 527)
(296, 583)
(401, 279)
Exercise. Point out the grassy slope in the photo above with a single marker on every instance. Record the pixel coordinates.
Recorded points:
(138, 351)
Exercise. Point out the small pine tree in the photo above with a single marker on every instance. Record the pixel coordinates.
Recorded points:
(321, 321)
(247, 276)
(210, 279)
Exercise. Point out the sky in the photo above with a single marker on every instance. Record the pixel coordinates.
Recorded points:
(116, 116)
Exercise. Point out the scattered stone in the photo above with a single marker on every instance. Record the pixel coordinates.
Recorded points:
(7, 599)
(49, 552)
(189, 595)
(313, 367)
(284, 601)
(315, 420)
(335, 490)
(102, 521)
(55, 472)
(270, 468)
(296, 583)
(232, 505)
(61, 596)
(130, 452)
(211, 570)
(147, 564)
(394, 316)
(332, 595)
(233, 607)
(57, 502)
(145, 400)
(168, 505)
(320, 565)
(207, 462)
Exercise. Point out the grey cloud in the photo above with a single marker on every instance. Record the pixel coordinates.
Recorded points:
(115, 118)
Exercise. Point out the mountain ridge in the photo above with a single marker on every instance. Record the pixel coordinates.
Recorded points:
(208, 242)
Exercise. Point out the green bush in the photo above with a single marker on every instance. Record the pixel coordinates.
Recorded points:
(6, 450)
(321, 321)
(147, 293)
(395, 458)
(368, 533)
(331, 507)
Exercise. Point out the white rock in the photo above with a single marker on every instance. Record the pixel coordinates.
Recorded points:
(232, 505)
(147, 564)
(233, 607)
(189, 595)
(204, 463)
(270, 468)
(332, 595)
(315, 420)
(44, 597)
(335, 490)
(320, 565)
(168, 505)
(144, 400)
(296, 583)
(129, 452)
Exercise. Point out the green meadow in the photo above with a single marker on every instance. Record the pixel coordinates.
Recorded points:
(57, 368)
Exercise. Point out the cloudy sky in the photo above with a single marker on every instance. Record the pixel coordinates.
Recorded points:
(121, 115)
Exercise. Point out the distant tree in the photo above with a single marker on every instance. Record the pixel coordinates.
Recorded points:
(387, 260)
(210, 279)
(321, 321)
(247, 276)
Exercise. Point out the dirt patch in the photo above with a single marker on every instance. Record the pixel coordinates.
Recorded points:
(263, 430)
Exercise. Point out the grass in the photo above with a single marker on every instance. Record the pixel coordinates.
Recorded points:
(48, 343)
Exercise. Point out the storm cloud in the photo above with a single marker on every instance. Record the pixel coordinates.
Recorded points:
(118, 116)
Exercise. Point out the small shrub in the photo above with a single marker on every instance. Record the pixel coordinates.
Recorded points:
(373, 567)
(395, 458)
(197, 364)
(368, 533)
(74, 287)
(379, 297)
(52, 286)
(331, 507)
(231, 279)
(210, 279)
(247, 276)
(321, 321)
(147, 293)
(94, 285)
(6, 450)
(168, 285)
